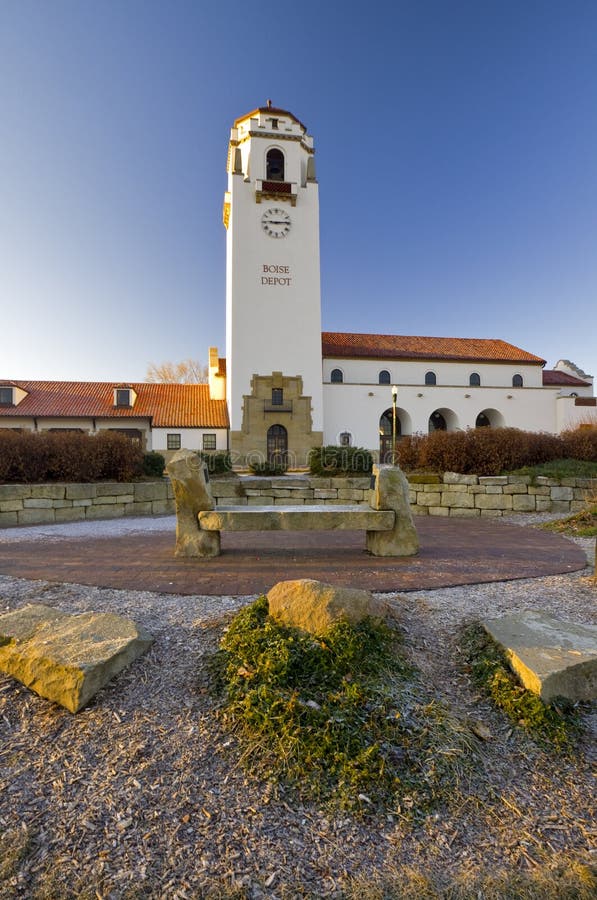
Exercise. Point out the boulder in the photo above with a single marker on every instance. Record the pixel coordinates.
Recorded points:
(67, 658)
(314, 606)
(391, 491)
(551, 657)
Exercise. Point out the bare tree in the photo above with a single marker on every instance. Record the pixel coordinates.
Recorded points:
(188, 371)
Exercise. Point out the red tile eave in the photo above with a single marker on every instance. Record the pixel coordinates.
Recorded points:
(555, 378)
(413, 357)
(165, 406)
(338, 345)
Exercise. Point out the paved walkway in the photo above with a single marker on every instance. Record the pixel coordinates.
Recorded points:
(139, 555)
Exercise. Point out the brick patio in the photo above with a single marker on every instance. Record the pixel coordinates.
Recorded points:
(452, 552)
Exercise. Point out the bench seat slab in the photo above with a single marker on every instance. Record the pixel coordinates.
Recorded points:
(296, 518)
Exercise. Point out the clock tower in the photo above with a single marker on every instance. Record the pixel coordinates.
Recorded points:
(273, 304)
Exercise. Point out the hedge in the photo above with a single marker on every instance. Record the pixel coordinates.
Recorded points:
(31, 457)
(333, 460)
(490, 451)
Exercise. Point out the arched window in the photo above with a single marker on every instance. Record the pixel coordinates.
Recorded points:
(336, 377)
(384, 377)
(274, 165)
(277, 445)
(482, 421)
(430, 378)
(345, 439)
(475, 379)
(517, 381)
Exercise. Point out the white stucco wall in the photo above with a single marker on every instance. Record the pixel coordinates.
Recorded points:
(190, 438)
(357, 408)
(570, 416)
(366, 371)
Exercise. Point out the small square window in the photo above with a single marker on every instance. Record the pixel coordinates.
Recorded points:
(209, 442)
(6, 396)
(173, 441)
(123, 397)
(345, 439)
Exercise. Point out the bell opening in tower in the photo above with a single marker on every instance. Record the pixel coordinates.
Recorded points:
(274, 165)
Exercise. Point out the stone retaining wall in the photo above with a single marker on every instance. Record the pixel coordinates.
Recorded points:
(436, 495)
(290, 490)
(36, 504)
(496, 495)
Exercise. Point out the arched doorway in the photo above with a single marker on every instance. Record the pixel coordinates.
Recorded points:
(443, 420)
(489, 418)
(437, 422)
(277, 445)
(386, 434)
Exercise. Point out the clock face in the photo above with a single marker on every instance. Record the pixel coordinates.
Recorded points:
(276, 222)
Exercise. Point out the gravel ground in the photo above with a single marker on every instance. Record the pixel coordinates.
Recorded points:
(143, 795)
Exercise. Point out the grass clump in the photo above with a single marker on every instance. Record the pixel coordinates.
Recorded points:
(554, 724)
(335, 716)
(581, 524)
(560, 468)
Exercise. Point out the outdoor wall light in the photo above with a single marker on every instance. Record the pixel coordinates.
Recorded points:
(508, 396)
(467, 396)
(419, 395)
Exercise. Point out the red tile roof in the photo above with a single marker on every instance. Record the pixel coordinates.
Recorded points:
(393, 346)
(554, 376)
(167, 405)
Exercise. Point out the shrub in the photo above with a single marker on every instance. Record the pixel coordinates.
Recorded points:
(332, 460)
(484, 451)
(267, 468)
(218, 462)
(408, 451)
(580, 443)
(153, 464)
(31, 457)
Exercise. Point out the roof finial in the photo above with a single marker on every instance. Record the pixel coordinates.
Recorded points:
(269, 104)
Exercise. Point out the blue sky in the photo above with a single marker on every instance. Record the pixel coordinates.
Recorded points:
(456, 156)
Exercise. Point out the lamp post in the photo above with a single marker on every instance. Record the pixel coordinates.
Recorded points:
(394, 395)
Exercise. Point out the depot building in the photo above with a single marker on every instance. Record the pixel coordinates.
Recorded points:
(283, 386)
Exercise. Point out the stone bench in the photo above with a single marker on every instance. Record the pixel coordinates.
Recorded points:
(388, 522)
(349, 517)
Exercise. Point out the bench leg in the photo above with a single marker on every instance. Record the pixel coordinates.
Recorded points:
(203, 544)
(391, 492)
(192, 493)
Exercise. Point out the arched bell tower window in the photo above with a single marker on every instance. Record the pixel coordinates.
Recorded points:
(384, 377)
(475, 380)
(517, 381)
(336, 376)
(430, 378)
(274, 165)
